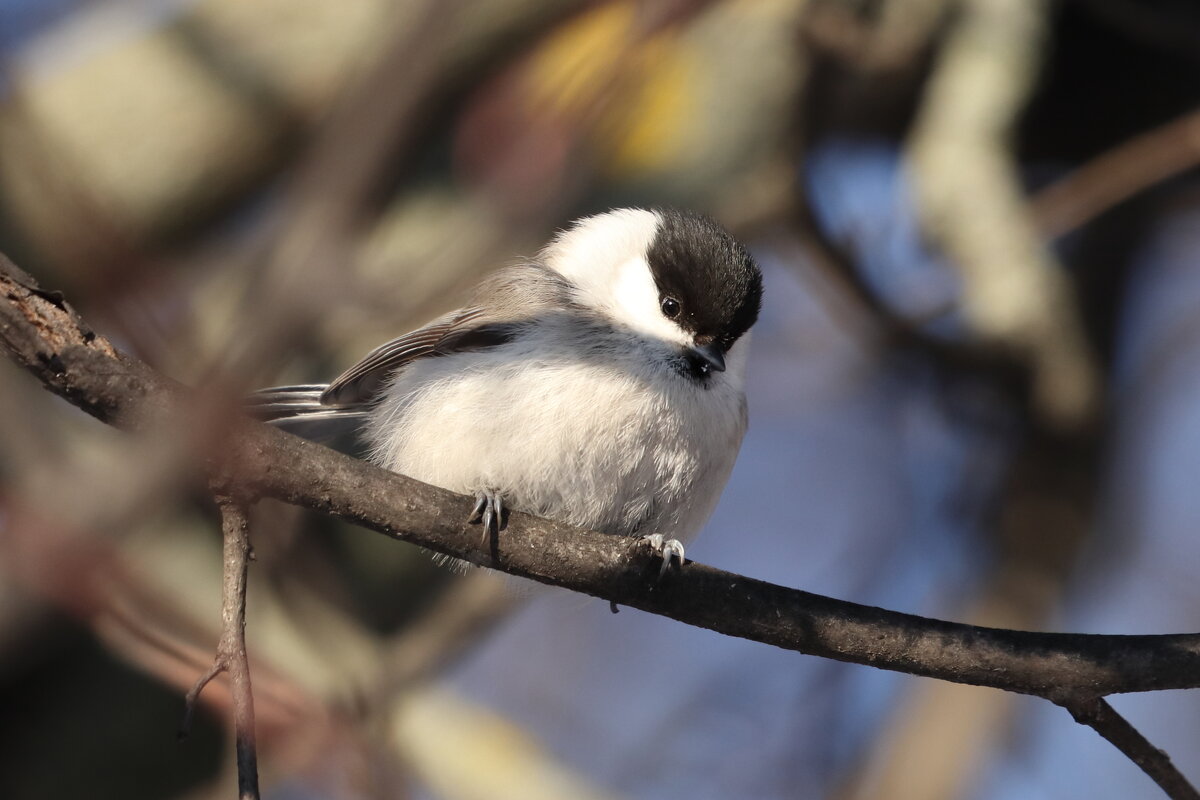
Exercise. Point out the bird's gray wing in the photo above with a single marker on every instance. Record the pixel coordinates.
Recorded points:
(458, 331)
(502, 305)
(335, 412)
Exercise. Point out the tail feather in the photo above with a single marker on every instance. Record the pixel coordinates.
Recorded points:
(280, 402)
(299, 410)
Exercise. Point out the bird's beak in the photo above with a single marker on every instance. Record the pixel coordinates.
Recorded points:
(709, 355)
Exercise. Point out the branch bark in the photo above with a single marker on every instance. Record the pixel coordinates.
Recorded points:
(232, 648)
(44, 334)
(1104, 720)
(231, 656)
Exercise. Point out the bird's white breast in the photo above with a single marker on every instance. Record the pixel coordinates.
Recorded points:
(616, 443)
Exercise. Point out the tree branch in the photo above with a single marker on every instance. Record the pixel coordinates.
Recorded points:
(1117, 175)
(1104, 719)
(231, 657)
(44, 334)
(232, 648)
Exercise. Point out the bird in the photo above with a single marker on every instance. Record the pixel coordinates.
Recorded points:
(599, 384)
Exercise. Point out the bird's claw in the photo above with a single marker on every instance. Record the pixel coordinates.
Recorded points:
(667, 549)
(488, 510)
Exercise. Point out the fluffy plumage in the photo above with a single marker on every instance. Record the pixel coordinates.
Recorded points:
(564, 385)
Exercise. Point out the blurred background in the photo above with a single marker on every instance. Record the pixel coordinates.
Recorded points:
(973, 393)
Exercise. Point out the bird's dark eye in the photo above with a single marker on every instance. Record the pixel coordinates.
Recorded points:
(670, 307)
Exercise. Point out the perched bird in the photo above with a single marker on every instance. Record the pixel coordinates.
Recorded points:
(599, 384)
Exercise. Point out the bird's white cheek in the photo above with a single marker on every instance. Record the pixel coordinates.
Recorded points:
(635, 303)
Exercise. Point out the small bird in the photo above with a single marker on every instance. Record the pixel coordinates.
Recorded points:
(599, 384)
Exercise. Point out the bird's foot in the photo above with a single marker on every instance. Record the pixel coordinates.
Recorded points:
(667, 549)
(488, 510)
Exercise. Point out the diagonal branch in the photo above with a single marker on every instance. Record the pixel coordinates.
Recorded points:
(1115, 176)
(1104, 720)
(45, 335)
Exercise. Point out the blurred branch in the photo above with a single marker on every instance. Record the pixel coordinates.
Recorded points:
(1117, 175)
(377, 117)
(508, 763)
(326, 201)
(43, 334)
(332, 200)
(891, 42)
(460, 617)
(868, 315)
(1014, 294)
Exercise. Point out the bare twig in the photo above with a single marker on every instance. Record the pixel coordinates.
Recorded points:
(232, 648)
(1104, 720)
(45, 336)
(231, 655)
(193, 695)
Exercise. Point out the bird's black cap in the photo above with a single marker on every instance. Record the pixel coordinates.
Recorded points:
(719, 287)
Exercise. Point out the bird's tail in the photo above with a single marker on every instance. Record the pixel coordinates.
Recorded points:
(299, 410)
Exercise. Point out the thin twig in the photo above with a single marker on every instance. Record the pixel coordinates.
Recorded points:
(231, 651)
(189, 701)
(231, 655)
(1101, 717)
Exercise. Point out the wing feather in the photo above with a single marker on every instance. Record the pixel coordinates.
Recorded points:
(464, 329)
(505, 302)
